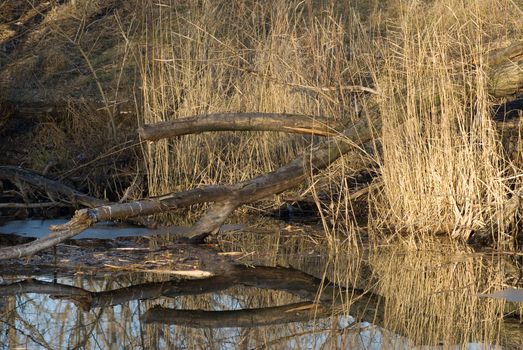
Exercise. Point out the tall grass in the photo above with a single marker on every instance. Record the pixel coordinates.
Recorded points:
(442, 166)
(236, 56)
(431, 293)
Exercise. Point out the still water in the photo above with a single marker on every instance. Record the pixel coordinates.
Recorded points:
(276, 288)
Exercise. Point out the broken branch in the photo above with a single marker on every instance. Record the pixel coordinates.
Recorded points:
(79, 223)
(51, 187)
(292, 123)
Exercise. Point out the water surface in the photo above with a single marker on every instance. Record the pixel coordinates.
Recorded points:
(295, 292)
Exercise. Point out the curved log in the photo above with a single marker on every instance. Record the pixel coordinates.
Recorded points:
(292, 123)
(288, 176)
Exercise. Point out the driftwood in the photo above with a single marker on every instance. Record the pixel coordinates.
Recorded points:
(291, 123)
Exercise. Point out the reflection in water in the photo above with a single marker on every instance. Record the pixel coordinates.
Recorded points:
(434, 300)
(125, 317)
(509, 294)
(394, 297)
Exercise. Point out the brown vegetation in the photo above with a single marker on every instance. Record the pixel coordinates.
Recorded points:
(422, 86)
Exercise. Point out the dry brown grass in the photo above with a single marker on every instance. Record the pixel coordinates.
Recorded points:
(224, 56)
(443, 169)
(430, 287)
(442, 166)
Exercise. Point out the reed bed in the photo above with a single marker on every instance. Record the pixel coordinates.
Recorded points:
(440, 162)
(443, 167)
(239, 56)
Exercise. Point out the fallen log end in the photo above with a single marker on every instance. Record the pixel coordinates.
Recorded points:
(142, 133)
(81, 218)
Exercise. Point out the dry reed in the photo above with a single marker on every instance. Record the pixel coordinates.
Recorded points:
(442, 167)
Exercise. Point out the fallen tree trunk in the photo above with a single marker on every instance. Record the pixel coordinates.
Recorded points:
(291, 123)
(51, 187)
(228, 197)
(284, 178)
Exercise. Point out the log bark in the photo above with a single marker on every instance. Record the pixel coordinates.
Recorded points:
(290, 123)
(513, 52)
(212, 220)
(506, 70)
(229, 197)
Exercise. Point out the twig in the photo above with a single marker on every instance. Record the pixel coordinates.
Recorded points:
(32, 205)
